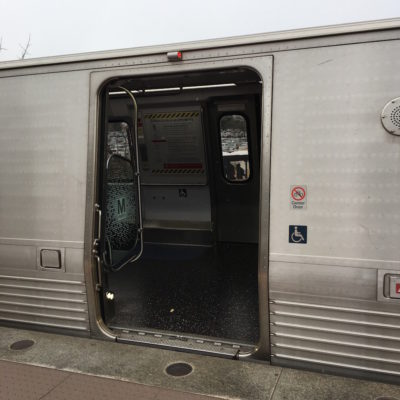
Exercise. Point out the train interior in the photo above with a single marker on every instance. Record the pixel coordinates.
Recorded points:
(179, 240)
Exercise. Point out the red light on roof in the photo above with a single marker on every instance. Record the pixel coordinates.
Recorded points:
(174, 56)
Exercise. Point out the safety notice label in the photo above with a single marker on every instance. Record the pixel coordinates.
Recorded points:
(298, 197)
(298, 234)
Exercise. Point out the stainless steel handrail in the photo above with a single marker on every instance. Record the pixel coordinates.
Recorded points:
(134, 141)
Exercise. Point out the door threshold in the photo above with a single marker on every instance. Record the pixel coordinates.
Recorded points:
(186, 343)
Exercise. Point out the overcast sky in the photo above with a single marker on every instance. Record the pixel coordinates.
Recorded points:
(74, 26)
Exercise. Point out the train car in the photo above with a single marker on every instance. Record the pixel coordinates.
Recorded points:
(236, 197)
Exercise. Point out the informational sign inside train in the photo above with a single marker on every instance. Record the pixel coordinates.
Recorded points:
(174, 138)
(174, 144)
(298, 197)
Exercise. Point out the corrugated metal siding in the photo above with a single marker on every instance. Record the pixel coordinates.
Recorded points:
(337, 336)
(44, 302)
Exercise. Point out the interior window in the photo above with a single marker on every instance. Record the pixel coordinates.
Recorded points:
(118, 139)
(234, 147)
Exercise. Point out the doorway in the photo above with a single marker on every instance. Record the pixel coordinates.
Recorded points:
(194, 217)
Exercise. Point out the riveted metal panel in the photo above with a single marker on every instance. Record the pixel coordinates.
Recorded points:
(43, 142)
(328, 135)
(206, 48)
(326, 305)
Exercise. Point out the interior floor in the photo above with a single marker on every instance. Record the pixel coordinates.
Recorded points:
(207, 291)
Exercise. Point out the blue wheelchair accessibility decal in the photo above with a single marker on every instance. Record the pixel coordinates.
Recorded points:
(298, 234)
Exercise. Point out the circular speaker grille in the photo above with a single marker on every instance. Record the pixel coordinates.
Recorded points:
(395, 116)
(390, 116)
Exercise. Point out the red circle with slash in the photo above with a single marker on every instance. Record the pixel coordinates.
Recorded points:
(298, 193)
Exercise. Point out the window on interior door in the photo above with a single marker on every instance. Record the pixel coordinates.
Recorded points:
(118, 139)
(233, 132)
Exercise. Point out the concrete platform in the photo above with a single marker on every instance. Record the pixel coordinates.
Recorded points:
(64, 367)
(27, 382)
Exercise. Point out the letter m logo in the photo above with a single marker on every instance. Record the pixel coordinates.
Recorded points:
(121, 206)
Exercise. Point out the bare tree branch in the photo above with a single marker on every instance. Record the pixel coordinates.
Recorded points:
(25, 48)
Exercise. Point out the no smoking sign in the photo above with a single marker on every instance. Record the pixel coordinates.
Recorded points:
(298, 197)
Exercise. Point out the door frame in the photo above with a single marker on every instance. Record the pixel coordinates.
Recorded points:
(263, 65)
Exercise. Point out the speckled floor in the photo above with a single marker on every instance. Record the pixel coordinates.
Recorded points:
(203, 291)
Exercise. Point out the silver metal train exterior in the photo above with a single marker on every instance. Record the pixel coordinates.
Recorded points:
(324, 213)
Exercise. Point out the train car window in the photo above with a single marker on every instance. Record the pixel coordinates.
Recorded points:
(234, 147)
(118, 139)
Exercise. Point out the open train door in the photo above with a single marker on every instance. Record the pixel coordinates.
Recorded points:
(119, 208)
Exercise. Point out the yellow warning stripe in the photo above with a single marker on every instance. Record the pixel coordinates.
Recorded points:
(173, 115)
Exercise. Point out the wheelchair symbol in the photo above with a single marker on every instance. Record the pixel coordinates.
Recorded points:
(297, 234)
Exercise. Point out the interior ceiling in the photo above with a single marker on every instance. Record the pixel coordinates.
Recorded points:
(237, 75)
